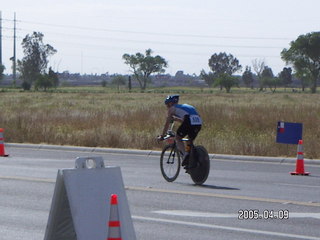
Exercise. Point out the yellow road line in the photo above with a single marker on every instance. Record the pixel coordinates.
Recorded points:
(28, 179)
(204, 194)
(189, 193)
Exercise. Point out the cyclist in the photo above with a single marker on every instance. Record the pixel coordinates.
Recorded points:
(189, 118)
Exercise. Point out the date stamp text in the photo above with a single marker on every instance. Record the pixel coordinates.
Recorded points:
(255, 214)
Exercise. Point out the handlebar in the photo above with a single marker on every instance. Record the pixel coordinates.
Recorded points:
(170, 134)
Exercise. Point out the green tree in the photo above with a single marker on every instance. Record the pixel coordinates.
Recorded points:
(268, 79)
(209, 78)
(247, 77)
(304, 78)
(45, 81)
(272, 83)
(220, 64)
(304, 55)
(285, 76)
(35, 60)
(227, 81)
(224, 63)
(42, 82)
(104, 83)
(267, 72)
(144, 65)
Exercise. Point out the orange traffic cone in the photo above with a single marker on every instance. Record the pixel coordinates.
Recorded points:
(2, 152)
(300, 161)
(114, 232)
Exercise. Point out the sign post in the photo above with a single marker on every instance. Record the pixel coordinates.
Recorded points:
(80, 205)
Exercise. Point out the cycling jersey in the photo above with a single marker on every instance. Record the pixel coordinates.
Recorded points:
(183, 110)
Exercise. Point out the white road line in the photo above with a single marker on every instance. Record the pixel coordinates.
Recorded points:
(214, 226)
(298, 185)
(187, 213)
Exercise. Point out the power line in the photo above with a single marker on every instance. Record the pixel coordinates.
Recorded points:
(159, 34)
(143, 41)
(108, 46)
(188, 44)
(0, 38)
(160, 42)
(152, 33)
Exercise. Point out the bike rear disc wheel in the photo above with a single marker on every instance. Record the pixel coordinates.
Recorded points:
(170, 163)
(200, 174)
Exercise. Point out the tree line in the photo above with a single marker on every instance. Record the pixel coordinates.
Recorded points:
(303, 55)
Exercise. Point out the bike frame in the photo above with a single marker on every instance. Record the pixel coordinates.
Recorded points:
(171, 139)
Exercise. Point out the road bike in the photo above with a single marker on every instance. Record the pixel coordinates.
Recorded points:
(197, 163)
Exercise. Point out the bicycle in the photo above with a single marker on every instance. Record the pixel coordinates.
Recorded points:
(197, 166)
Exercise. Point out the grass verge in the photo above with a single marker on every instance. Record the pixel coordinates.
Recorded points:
(238, 123)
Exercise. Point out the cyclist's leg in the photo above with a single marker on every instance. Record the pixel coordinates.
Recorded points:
(193, 131)
(182, 131)
(180, 144)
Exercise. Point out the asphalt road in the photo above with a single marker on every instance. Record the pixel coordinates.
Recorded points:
(178, 210)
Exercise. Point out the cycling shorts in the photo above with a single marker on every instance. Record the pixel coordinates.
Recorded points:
(187, 129)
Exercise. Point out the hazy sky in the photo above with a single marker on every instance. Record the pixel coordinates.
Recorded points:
(92, 35)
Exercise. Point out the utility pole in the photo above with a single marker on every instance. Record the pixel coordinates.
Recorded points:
(14, 67)
(0, 38)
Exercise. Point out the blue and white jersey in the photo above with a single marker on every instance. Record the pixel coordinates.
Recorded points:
(181, 110)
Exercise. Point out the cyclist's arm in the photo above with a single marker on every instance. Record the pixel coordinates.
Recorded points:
(169, 119)
(177, 119)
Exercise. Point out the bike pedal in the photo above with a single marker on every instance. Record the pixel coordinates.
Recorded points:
(187, 168)
(185, 163)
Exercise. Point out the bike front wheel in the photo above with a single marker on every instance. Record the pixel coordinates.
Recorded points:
(170, 163)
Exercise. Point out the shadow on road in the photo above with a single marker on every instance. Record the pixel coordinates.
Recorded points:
(216, 187)
(209, 186)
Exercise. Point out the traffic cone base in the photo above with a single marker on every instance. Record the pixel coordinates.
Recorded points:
(301, 174)
(2, 151)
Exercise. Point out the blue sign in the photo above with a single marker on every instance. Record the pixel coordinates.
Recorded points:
(289, 133)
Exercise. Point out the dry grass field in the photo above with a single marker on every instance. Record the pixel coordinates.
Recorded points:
(238, 123)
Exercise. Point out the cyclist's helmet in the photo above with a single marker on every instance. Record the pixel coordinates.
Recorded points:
(172, 98)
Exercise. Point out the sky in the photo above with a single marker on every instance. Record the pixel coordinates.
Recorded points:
(91, 36)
